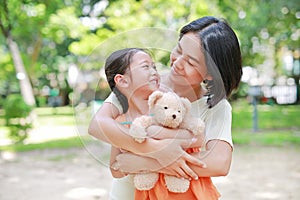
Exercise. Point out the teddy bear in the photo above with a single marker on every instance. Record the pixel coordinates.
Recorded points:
(167, 109)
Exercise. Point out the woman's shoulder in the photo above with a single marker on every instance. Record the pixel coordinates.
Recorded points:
(201, 106)
(223, 104)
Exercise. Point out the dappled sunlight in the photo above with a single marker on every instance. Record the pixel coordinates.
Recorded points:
(223, 180)
(46, 133)
(267, 195)
(8, 156)
(86, 193)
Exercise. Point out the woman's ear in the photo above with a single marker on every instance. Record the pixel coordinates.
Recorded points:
(121, 80)
(208, 77)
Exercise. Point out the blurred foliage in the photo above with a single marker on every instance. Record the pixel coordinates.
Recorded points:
(17, 117)
(52, 35)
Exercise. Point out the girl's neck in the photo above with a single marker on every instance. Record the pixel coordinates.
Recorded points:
(138, 105)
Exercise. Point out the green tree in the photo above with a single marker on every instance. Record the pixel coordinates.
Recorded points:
(7, 25)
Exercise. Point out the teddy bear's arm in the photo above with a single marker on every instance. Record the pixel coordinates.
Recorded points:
(138, 128)
(193, 124)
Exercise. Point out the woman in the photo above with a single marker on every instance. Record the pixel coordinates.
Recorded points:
(207, 53)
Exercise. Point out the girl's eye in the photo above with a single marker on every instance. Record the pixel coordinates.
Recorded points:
(178, 52)
(148, 67)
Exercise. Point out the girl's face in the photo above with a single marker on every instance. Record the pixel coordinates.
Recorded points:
(143, 73)
(188, 62)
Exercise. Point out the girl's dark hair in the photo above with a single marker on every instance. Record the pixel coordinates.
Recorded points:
(222, 53)
(117, 63)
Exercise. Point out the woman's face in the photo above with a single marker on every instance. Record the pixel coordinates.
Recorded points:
(143, 73)
(188, 62)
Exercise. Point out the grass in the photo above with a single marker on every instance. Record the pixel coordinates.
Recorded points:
(277, 126)
(62, 116)
(51, 144)
(270, 138)
(269, 116)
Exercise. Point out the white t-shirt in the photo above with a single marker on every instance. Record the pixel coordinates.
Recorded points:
(217, 126)
(217, 119)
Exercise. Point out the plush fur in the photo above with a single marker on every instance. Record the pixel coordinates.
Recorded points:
(168, 110)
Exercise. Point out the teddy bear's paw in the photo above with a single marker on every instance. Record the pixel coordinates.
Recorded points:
(177, 185)
(145, 181)
(139, 140)
(138, 133)
(199, 129)
(196, 126)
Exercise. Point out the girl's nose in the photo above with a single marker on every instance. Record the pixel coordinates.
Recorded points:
(153, 71)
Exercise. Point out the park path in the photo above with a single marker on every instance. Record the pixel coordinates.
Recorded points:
(257, 173)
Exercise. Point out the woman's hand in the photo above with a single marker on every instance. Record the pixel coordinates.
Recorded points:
(141, 164)
(170, 154)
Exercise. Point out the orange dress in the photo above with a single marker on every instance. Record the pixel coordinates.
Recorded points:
(201, 189)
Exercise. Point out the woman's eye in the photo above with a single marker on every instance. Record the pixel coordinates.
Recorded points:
(190, 63)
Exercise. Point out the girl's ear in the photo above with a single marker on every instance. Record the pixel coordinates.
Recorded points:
(121, 80)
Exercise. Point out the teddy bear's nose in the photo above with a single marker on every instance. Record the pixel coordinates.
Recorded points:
(174, 116)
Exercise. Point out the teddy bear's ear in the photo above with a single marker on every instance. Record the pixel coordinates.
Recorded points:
(154, 97)
(186, 103)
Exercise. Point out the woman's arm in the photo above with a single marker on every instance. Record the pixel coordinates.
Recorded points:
(114, 169)
(146, 164)
(104, 127)
(217, 157)
(160, 133)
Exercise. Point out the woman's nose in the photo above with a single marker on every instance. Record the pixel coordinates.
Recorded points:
(179, 62)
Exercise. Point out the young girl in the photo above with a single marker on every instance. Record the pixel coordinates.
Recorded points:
(132, 76)
(208, 52)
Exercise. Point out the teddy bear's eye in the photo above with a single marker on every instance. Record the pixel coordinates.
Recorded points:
(166, 107)
(179, 111)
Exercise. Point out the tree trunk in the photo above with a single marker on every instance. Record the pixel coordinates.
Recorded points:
(25, 85)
